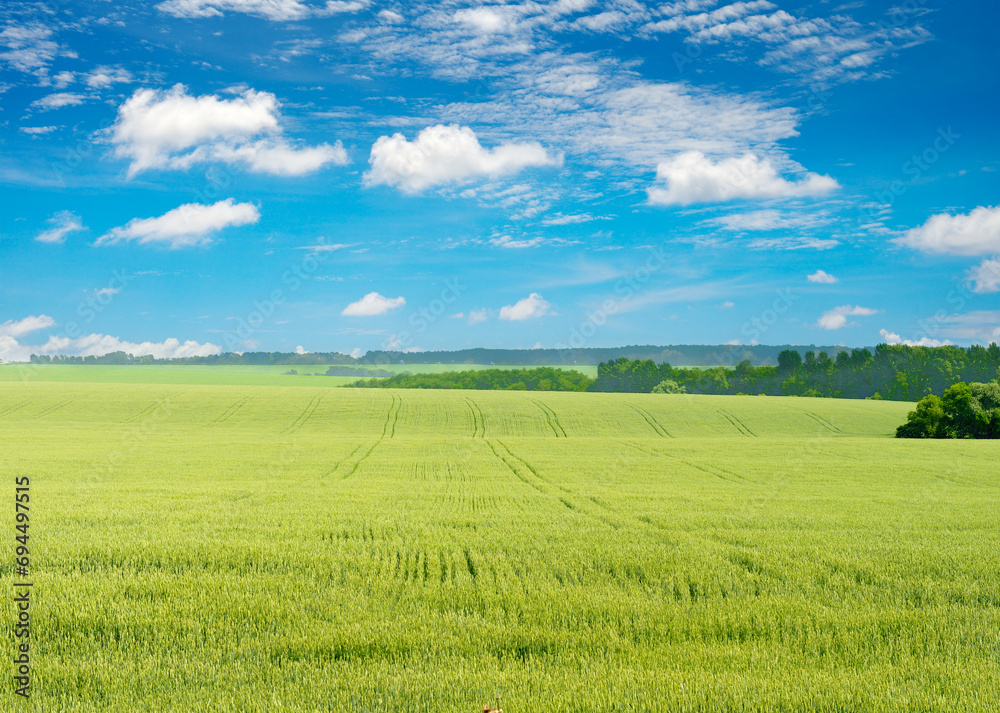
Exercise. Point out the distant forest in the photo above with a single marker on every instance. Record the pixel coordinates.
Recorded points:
(893, 372)
(537, 379)
(726, 355)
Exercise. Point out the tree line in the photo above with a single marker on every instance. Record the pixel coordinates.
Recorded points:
(537, 379)
(893, 372)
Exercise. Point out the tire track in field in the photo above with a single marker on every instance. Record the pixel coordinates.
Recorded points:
(721, 473)
(478, 427)
(517, 474)
(52, 409)
(151, 408)
(13, 408)
(653, 423)
(306, 414)
(738, 424)
(228, 413)
(389, 429)
(568, 503)
(341, 462)
(822, 422)
(551, 419)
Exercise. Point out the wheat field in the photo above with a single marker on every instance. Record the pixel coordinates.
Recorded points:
(265, 548)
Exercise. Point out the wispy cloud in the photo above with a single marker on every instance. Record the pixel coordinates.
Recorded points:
(188, 225)
(63, 223)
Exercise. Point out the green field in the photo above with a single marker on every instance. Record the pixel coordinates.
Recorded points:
(268, 548)
(241, 375)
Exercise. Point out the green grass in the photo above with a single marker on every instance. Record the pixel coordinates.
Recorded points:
(254, 548)
(236, 375)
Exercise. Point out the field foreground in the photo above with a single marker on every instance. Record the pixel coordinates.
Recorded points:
(263, 548)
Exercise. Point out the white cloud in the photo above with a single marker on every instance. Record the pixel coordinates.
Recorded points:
(822, 277)
(447, 154)
(530, 307)
(394, 342)
(792, 243)
(762, 220)
(103, 76)
(571, 219)
(59, 100)
(820, 49)
(29, 49)
(975, 233)
(63, 79)
(185, 226)
(37, 130)
(371, 305)
(356, 353)
(300, 350)
(985, 277)
(280, 10)
(893, 338)
(836, 318)
(692, 177)
(172, 129)
(10, 328)
(477, 315)
(484, 20)
(63, 223)
(271, 156)
(100, 344)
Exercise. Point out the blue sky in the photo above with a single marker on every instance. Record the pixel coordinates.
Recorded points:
(192, 176)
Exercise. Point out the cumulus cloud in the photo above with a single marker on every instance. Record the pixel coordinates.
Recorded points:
(371, 305)
(58, 100)
(837, 317)
(822, 277)
(63, 223)
(692, 177)
(893, 338)
(985, 277)
(185, 226)
(280, 10)
(530, 307)
(100, 344)
(447, 154)
(10, 328)
(975, 233)
(173, 129)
